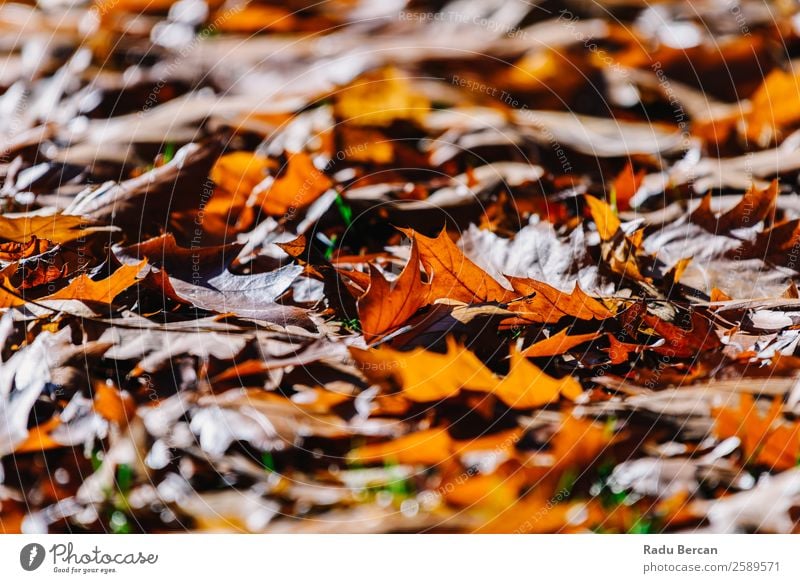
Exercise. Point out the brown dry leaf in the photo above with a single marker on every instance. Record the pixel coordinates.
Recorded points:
(185, 263)
(755, 206)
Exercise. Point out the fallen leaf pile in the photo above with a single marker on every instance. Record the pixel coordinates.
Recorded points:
(370, 266)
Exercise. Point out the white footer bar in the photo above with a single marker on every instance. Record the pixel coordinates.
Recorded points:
(399, 558)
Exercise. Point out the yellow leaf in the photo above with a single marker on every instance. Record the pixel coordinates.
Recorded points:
(604, 217)
(380, 98)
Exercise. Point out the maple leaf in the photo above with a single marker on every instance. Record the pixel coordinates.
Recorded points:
(385, 306)
(104, 291)
(452, 275)
(620, 251)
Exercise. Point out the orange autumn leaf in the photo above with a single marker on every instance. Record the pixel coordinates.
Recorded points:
(765, 438)
(319, 400)
(544, 510)
(39, 439)
(113, 404)
(428, 447)
(104, 291)
(775, 105)
(558, 344)
(579, 442)
(256, 18)
(57, 228)
(427, 376)
(7, 298)
(492, 491)
(717, 295)
(432, 447)
(297, 185)
(14, 251)
(626, 184)
(548, 305)
(619, 352)
(452, 275)
(239, 172)
(605, 218)
(682, 342)
(526, 386)
(386, 306)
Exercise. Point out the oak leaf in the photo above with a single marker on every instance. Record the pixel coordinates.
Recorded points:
(548, 305)
(454, 276)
